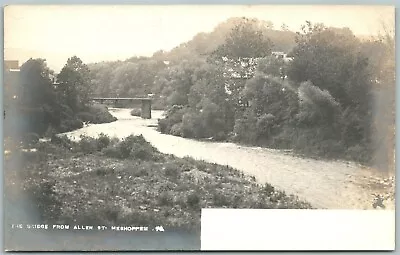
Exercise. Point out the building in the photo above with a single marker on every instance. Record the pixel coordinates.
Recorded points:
(281, 55)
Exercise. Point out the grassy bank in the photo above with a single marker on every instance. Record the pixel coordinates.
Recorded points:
(129, 182)
(94, 114)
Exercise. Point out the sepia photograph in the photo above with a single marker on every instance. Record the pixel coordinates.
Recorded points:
(123, 122)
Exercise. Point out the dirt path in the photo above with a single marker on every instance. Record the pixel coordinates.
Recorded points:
(325, 184)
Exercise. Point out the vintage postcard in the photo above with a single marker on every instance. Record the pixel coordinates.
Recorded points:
(187, 127)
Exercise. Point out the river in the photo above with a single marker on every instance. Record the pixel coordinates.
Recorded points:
(325, 184)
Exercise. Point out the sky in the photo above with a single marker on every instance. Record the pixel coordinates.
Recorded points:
(105, 33)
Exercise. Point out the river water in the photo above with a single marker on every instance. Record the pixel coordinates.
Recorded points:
(325, 184)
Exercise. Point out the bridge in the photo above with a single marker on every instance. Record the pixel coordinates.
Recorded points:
(118, 101)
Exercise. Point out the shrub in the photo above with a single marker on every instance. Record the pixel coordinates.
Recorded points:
(220, 199)
(111, 151)
(136, 112)
(193, 200)
(142, 152)
(85, 116)
(132, 147)
(104, 171)
(165, 199)
(317, 106)
(245, 129)
(268, 189)
(173, 116)
(220, 136)
(88, 144)
(176, 129)
(62, 140)
(67, 125)
(100, 114)
(359, 152)
(163, 126)
(264, 124)
(192, 125)
(172, 171)
(211, 118)
(103, 141)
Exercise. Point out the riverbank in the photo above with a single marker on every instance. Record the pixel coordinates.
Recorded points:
(129, 183)
(323, 183)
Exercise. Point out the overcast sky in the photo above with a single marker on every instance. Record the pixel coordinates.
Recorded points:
(97, 33)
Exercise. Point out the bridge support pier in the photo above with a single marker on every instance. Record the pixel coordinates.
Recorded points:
(146, 109)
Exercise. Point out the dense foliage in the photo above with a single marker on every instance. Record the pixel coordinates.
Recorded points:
(106, 181)
(38, 105)
(322, 100)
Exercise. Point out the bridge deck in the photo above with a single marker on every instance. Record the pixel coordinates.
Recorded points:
(121, 98)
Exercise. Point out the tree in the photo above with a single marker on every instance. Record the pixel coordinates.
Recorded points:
(75, 84)
(36, 83)
(38, 105)
(331, 60)
(284, 27)
(245, 41)
(101, 78)
(176, 81)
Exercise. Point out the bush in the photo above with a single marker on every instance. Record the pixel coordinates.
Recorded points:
(264, 124)
(142, 152)
(85, 116)
(103, 171)
(317, 106)
(193, 200)
(359, 152)
(165, 199)
(220, 136)
(173, 116)
(163, 126)
(103, 141)
(192, 125)
(63, 141)
(111, 151)
(136, 112)
(87, 144)
(245, 129)
(130, 147)
(67, 125)
(176, 129)
(100, 114)
(171, 171)
(220, 199)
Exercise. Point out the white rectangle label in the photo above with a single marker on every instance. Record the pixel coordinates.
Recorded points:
(284, 229)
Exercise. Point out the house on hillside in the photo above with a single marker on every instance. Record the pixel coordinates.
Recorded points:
(281, 55)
